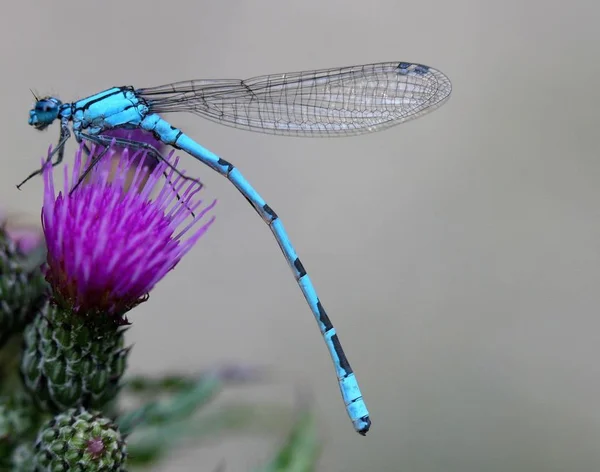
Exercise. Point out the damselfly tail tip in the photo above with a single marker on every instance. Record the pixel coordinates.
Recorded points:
(363, 425)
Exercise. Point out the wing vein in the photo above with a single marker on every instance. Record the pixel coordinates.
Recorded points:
(327, 102)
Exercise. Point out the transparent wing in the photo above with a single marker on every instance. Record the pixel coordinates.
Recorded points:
(328, 102)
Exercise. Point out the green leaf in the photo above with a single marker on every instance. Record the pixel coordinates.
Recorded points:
(182, 405)
(301, 450)
(190, 395)
(148, 444)
(168, 383)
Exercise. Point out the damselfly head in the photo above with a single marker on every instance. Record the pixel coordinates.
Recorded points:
(44, 112)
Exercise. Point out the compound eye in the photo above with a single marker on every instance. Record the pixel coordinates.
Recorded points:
(45, 106)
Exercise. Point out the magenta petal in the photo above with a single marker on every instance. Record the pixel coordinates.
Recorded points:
(107, 246)
(140, 136)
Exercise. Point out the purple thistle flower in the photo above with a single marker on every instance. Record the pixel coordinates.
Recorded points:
(26, 239)
(107, 246)
(26, 236)
(141, 136)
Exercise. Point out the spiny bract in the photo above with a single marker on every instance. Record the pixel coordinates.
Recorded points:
(22, 288)
(68, 361)
(79, 440)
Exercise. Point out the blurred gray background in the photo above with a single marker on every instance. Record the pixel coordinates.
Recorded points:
(458, 255)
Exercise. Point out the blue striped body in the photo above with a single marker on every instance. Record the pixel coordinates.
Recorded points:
(119, 107)
(355, 405)
(321, 103)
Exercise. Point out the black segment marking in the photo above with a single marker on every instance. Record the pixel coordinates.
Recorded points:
(224, 163)
(158, 136)
(269, 211)
(299, 267)
(323, 317)
(344, 364)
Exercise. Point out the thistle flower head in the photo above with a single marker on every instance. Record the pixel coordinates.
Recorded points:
(26, 238)
(22, 285)
(140, 136)
(108, 245)
(78, 439)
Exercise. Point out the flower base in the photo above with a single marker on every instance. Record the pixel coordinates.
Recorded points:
(70, 361)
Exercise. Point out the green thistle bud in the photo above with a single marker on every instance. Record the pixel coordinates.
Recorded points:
(70, 361)
(79, 440)
(22, 458)
(18, 420)
(22, 288)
